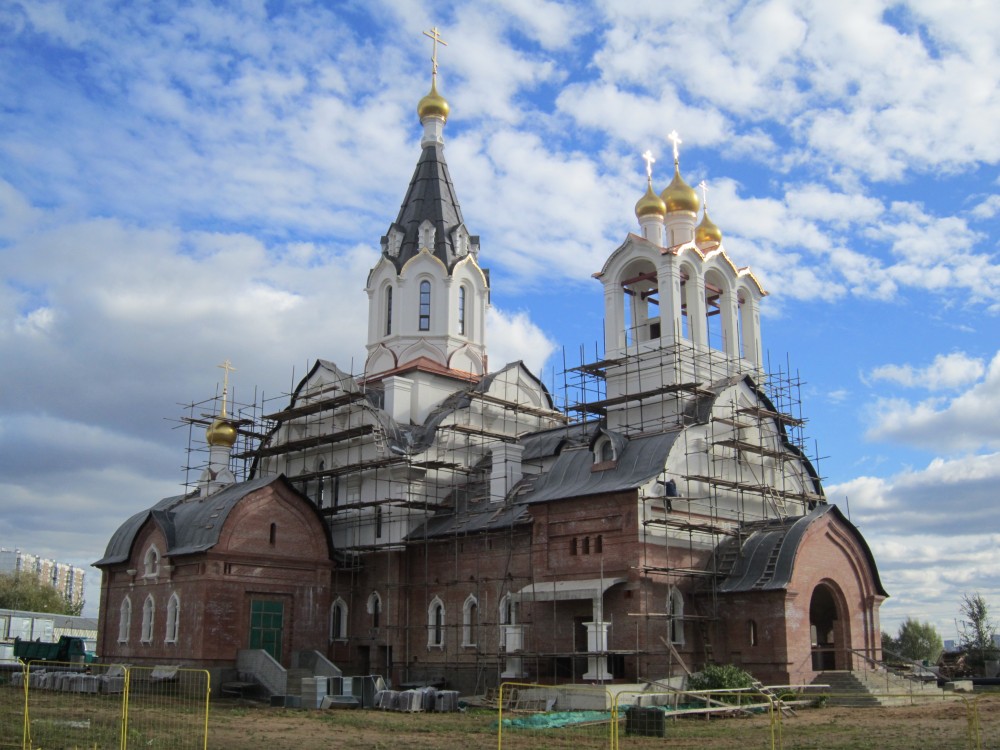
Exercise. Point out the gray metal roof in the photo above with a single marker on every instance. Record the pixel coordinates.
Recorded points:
(429, 197)
(188, 522)
(641, 459)
(767, 559)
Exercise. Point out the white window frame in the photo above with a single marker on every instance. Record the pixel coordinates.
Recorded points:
(435, 624)
(470, 621)
(173, 619)
(148, 619)
(151, 562)
(124, 619)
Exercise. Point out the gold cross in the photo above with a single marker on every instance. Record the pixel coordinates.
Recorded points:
(650, 161)
(228, 367)
(676, 141)
(436, 37)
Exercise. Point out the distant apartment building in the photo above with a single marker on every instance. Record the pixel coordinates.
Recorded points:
(63, 577)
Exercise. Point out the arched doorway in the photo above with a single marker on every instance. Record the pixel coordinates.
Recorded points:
(829, 634)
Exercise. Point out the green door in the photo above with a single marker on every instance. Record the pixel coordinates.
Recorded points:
(266, 620)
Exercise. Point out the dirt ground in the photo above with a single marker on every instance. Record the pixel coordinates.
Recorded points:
(942, 724)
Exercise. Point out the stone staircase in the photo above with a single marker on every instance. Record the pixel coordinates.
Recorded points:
(874, 688)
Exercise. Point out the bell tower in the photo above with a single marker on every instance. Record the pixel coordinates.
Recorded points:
(427, 295)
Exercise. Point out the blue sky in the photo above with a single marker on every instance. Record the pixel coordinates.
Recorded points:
(185, 183)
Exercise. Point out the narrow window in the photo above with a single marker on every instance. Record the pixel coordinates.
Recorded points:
(338, 620)
(572, 546)
(435, 624)
(599, 544)
(752, 632)
(586, 545)
(470, 621)
(173, 618)
(461, 311)
(425, 306)
(321, 486)
(124, 620)
(675, 610)
(273, 534)
(388, 311)
(148, 615)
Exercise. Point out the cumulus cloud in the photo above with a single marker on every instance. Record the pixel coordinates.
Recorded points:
(968, 421)
(947, 371)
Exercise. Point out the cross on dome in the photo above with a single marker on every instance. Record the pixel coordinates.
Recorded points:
(676, 139)
(228, 367)
(704, 193)
(435, 38)
(650, 161)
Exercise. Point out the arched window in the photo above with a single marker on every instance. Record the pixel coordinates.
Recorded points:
(173, 618)
(435, 624)
(461, 311)
(675, 619)
(388, 311)
(148, 616)
(272, 535)
(151, 563)
(599, 544)
(586, 545)
(470, 621)
(752, 632)
(506, 610)
(338, 620)
(572, 546)
(425, 306)
(375, 609)
(321, 486)
(124, 620)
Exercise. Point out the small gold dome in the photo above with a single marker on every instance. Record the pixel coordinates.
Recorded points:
(650, 204)
(706, 232)
(221, 432)
(433, 105)
(679, 196)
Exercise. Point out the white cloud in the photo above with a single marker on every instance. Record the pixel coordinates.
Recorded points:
(969, 421)
(947, 371)
(514, 336)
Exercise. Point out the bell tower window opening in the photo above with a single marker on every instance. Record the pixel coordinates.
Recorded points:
(424, 323)
(461, 311)
(715, 300)
(642, 321)
(388, 311)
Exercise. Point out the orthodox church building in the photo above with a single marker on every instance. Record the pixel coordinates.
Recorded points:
(433, 520)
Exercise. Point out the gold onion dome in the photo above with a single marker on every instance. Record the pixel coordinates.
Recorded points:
(433, 105)
(706, 232)
(221, 432)
(650, 204)
(679, 196)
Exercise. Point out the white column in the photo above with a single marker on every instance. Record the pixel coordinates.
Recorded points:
(668, 279)
(513, 637)
(728, 310)
(614, 317)
(597, 641)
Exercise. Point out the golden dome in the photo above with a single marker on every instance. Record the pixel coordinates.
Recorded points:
(706, 232)
(221, 432)
(679, 196)
(650, 204)
(433, 105)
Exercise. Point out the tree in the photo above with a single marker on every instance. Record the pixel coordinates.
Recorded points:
(25, 592)
(889, 646)
(919, 641)
(976, 631)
